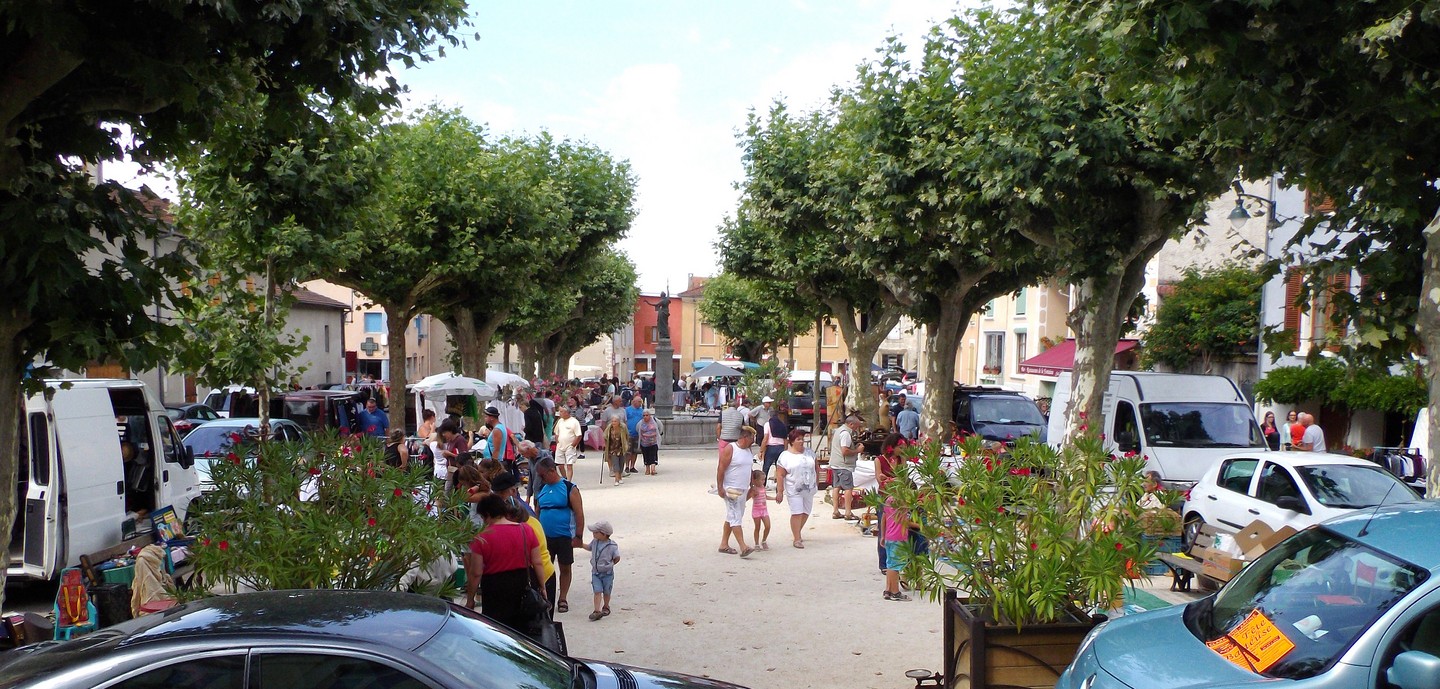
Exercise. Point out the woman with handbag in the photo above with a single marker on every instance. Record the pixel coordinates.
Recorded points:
(504, 562)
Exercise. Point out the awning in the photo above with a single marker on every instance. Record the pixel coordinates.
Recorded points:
(1061, 358)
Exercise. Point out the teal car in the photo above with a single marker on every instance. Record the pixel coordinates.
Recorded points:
(1353, 603)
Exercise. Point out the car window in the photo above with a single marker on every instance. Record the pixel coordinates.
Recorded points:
(1350, 486)
(203, 413)
(962, 411)
(317, 671)
(169, 442)
(223, 672)
(1275, 483)
(1235, 474)
(1200, 424)
(1126, 429)
(481, 654)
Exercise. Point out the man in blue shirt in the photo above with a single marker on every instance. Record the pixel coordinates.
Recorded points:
(502, 446)
(907, 422)
(373, 420)
(633, 414)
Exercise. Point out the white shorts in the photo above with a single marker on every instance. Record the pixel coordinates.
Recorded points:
(566, 455)
(803, 503)
(735, 510)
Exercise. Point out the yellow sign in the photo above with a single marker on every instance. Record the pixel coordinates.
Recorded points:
(1256, 644)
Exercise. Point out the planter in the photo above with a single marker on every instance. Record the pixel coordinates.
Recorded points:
(981, 655)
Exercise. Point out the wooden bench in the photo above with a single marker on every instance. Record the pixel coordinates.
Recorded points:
(1183, 570)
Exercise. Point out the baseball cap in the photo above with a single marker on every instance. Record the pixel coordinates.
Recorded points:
(767, 399)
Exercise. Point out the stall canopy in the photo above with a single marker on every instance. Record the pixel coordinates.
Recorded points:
(502, 379)
(732, 363)
(1061, 358)
(715, 370)
(452, 384)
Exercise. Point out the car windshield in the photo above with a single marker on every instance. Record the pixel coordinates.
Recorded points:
(1350, 486)
(213, 441)
(481, 654)
(1297, 608)
(1200, 424)
(1006, 410)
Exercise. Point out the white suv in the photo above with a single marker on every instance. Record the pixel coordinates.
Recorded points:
(1295, 489)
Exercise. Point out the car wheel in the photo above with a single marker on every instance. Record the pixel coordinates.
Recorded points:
(1193, 523)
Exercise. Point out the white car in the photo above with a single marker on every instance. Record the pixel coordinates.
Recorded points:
(1295, 489)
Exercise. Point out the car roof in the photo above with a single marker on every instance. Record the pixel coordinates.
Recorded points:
(399, 620)
(1302, 459)
(1405, 530)
(243, 421)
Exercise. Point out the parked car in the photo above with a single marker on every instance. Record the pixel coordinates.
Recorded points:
(187, 416)
(314, 410)
(997, 415)
(215, 439)
(1295, 489)
(233, 400)
(1352, 603)
(318, 639)
(803, 397)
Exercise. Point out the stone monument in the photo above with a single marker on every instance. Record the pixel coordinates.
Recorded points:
(664, 362)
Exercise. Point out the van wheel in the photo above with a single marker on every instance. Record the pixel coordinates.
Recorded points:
(1193, 523)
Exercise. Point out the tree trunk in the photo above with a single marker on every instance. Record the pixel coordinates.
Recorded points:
(528, 357)
(473, 337)
(263, 389)
(942, 340)
(1100, 307)
(397, 319)
(1428, 319)
(816, 429)
(12, 407)
(506, 360)
(862, 345)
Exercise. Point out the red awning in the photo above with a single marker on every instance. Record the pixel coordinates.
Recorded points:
(1060, 358)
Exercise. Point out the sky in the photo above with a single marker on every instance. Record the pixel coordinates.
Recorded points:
(664, 84)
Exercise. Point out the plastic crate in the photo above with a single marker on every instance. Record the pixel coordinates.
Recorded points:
(119, 575)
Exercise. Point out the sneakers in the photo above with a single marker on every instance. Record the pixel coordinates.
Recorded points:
(899, 597)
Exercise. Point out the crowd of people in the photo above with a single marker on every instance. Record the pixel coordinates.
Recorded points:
(1300, 432)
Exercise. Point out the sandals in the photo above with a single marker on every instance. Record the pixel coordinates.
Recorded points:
(897, 596)
(836, 515)
(799, 544)
(747, 552)
(729, 551)
(562, 606)
(764, 546)
(595, 615)
(605, 611)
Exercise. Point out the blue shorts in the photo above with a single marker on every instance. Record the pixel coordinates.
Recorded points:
(602, 583)
(892, 556)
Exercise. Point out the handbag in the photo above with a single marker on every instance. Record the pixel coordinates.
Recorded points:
(543, 629)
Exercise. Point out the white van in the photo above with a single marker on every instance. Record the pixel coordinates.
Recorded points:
(92, 456)
(1180, 422)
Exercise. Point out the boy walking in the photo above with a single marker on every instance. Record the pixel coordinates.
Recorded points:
(604, 553)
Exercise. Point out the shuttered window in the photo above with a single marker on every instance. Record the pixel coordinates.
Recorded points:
(1294, 281)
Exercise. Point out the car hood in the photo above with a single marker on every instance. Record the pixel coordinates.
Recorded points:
(1009, 431)
(1156, 649)
(611, 675)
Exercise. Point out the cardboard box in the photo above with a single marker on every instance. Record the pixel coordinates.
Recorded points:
(1258, 537)
(1220, 566)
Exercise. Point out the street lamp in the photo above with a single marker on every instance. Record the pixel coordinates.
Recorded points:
(1249, 206)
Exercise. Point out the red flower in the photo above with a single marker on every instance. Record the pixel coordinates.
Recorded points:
(205, 542)
(989, 466)
(224, 545)
(399, 492)
(977, 520)
(1119, 546)
(960, 501)
(1001, 510)
(314, 471)
(345, 451)
(344, 431)
(234, 458)
(370, 522)
(235, 438)
(415, 492)
(1034, 546)
(1083, 415)
(1023, 471)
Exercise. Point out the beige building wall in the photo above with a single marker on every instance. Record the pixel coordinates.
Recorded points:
(1011, 329)
(427, 341)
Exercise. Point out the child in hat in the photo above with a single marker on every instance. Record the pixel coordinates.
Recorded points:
(604, 553)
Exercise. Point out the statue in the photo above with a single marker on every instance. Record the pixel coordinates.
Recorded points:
(662, 316)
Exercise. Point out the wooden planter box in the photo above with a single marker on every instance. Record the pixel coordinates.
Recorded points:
(978, 656)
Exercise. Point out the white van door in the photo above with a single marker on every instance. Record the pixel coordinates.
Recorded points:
(174, 470)
(91, 471)
(41, 504)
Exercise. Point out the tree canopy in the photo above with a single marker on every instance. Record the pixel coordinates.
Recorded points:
(1211, 315)
(752, 314)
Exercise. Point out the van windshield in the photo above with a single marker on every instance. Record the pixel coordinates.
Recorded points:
(1006, 410)
(1200, 424)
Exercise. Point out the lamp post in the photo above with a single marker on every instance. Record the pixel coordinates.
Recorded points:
(1249, 206)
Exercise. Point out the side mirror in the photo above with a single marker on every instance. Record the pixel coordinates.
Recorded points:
(1414, 670)
(187, 456)
(1292, 503)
